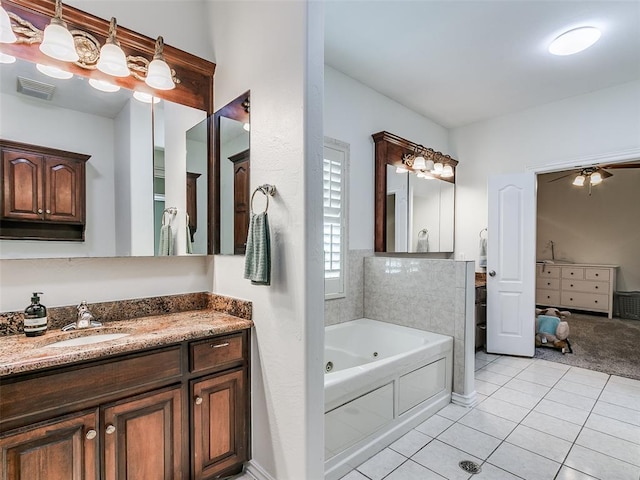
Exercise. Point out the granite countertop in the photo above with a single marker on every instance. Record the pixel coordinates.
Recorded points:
(19, 353)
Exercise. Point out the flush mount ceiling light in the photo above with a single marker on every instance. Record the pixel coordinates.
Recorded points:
(574, 41)
(145, 97)
(103, 85)
(159, 73)
(6, 32)
(54, 72)
(112, 60)
(58, 42)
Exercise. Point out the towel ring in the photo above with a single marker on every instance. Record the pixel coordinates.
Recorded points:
(267, 190)
(483, 230)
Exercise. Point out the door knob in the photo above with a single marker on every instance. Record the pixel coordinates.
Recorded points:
(110, 429)
(91, 434)
(492, 273)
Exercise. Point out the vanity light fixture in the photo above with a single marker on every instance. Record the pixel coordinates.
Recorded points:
(159, 73)
(57, 41)
(447, 171)
(574, 41)
(438, 168)
(402, 169)
(145, 97)
(112, 60)
(246, 126)
(6, 32)
(54, 72)
(103, 85)
(5, 58)
(426, 163)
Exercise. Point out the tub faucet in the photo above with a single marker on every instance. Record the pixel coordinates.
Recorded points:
(85, 319)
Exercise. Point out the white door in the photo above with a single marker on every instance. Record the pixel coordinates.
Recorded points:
(511, 247)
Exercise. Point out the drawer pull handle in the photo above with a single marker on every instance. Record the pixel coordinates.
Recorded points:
(198, 400)
(571, 299)
(91, 434)
(571, 273)
(572, 284)
(597, 274)
(110, 429)
(220, 345)
(596, 287)
(548, 283)
(596, 301)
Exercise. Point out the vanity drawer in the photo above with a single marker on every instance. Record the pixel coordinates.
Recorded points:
(584, 286)
(601, 274)
(217, 352)
(547, 297)
(548, 283)
(545, 271)
(573, 272)
(588, 301)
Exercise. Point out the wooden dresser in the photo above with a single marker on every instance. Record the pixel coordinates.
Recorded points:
(576, 286)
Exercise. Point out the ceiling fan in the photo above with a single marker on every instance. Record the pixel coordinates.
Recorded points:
(593, 175)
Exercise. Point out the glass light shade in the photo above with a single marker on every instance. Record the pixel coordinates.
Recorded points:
(145, 97)
(437, 168)
(113, 61)
(419, 163)
(58, 43)
(6, 32)
(54, 72)
(574, 41)
(401, 169)
(595, 178)
(579, 181)
(426, 175)
(103, 85)
(447, 171)
(159, 75)
(4, 58)
(246, 126)
(429, 165)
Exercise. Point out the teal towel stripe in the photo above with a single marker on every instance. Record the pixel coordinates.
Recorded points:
(257, 262)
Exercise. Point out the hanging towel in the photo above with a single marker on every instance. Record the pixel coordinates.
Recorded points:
(165, 246)
(188, 236)
(482, 261)
(257, 262)
(423, 241)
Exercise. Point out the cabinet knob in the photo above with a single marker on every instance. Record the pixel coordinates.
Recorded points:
(548, 283)
(110, 429)
(198, 400)
(571, 273)
(39, 210)
(571, 299)
(91, 434)
(597, 274)
(596, 287)
(596, 301)
(48, 211)
(572, 284)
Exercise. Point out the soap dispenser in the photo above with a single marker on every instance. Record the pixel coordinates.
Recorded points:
(35, 317)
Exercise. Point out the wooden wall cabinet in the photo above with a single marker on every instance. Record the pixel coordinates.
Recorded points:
(178, 412)
(43, 193)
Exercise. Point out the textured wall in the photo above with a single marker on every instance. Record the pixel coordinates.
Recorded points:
(350, 307)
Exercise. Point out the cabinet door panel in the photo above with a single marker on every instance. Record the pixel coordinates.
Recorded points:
(64, 190)
(218, 423)
(58, 450)
(22, 180)
(142, 438)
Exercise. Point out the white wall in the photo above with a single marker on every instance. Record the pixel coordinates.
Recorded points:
(352, 113)
(576, 128)
(279, 56)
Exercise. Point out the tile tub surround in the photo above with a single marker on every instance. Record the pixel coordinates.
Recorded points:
(428, 294)
(351, 306)
(11, 323)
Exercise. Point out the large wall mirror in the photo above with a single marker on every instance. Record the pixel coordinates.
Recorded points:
(414, 205)
(232, 163)
(150, 160)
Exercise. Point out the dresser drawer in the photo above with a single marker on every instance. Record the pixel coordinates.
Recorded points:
(215, 353)
(600, 274)
(588, 301)
(573, 272)
(545, 271)
(584, 286)
(548, 283)
(547, 297)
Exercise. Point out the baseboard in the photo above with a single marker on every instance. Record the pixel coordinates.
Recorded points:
(257, 472)
(469, 400)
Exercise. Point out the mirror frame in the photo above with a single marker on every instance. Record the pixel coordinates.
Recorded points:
(389, 150)
(238, 110)
(194, 85)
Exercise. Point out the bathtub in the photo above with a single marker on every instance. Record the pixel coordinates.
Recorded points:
(381, 380)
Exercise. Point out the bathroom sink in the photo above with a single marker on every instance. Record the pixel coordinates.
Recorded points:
(87, 340)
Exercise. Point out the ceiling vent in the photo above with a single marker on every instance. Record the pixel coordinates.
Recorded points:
(36, 89)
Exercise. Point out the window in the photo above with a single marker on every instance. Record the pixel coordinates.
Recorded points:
(335, 166)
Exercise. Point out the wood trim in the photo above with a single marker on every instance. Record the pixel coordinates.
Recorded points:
(48, 151)
(195, 74)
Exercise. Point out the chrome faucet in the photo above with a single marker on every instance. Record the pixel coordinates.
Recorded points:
(85, 319)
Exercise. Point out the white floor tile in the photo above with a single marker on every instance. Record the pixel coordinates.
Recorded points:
(627, 401)
(578, 388)
(480, 363)
(354, 475)
(617, 412)
(503, 409)
(515, 397)
(539, 442)
(527, 387)
(491, 377)
(410, 443)
(557, 366)
(381, 464)
(538, 377)
(503, 369)
(485, 388)
(568, 398)
(624, 380)
(615, 428)
(597, 381)
(490, 357)
(453, 412)
(411, 470)
(567, 473)
(550, 372)
(490, 472)
(469, 440)
(561, 411)
(523, 463)
(553, 426)
(599, 465)
(518, 362)
(590, 373)
(613, 446)
(443, 459)
(488, 423)
(624, 389)
(481, 397)
(434, 425)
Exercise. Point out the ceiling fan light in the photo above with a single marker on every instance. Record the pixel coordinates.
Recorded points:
(596, 178)
(574, 41)
(6, 32)
(419, 163)
(579, 181)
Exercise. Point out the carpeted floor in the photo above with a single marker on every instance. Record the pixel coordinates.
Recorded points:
(607, 345)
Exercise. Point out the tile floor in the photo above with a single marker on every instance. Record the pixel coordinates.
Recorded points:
(536, 420)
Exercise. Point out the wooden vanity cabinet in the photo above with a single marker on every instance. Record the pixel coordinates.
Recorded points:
(176, 412)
